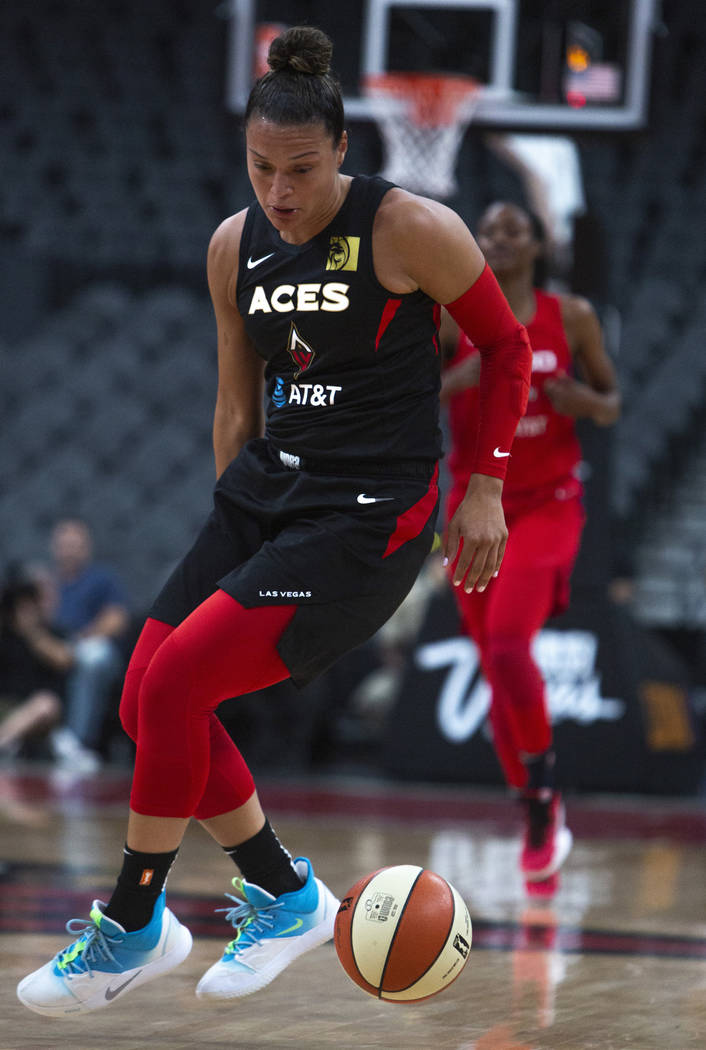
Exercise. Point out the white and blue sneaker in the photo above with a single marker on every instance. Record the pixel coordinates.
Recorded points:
(105, 962)
(271, 932)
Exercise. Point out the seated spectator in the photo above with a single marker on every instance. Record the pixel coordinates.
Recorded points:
(34, 662)
(92, 611)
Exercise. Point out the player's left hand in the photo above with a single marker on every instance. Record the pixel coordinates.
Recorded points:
(478, 531)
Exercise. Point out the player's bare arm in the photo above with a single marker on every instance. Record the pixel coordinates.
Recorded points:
(595, 395)
(423, 244)
(443, 259)
(238, 414)
(419, 243)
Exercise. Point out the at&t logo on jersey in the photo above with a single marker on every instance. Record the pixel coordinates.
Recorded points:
(319, 395)
(279, 394)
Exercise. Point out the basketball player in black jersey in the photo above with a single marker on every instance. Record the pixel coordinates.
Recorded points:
(326, 292)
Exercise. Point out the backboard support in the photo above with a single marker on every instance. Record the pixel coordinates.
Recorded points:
(597, 54)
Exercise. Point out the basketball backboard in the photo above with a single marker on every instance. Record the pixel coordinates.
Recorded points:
(552, 65)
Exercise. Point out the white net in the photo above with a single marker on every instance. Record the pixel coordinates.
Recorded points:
(422, 120)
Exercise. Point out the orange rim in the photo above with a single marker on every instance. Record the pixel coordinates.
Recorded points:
(434, 99)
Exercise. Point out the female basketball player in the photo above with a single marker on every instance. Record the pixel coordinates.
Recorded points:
(543, 508)
(325, 293)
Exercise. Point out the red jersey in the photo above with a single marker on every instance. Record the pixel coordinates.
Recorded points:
(545, 452)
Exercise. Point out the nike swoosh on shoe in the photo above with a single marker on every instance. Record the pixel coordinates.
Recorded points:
(111, 993)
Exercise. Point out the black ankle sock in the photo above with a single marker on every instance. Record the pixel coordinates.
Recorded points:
(139, 885)
(540, 775)
(264, 861)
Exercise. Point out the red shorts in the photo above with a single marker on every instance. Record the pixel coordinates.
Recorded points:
(544, 536)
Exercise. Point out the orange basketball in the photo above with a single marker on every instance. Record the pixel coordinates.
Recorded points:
(403, 933)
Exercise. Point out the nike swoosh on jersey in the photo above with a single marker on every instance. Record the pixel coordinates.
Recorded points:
(362, 498)
(500, 455)
(110, 993)
(252, 263)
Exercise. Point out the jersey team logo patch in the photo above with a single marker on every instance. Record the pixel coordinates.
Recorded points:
(343, 253)
(300, 351)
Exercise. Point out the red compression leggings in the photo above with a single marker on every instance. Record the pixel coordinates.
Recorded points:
(502, 622)
(186, 763)
(532, 585)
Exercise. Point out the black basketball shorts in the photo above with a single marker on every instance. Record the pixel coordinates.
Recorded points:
(344, 548)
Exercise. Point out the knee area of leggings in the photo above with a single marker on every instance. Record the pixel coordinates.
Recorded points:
(501, 651)
(172, 669)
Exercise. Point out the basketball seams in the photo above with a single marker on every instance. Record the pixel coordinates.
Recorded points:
(460, 914)
(397, 928)
(429, 925)
(433, 962)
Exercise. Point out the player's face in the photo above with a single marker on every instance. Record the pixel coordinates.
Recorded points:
(294, 173)
(506, 238)
(71, 546)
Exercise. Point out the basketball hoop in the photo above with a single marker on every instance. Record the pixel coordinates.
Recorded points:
(422, 118)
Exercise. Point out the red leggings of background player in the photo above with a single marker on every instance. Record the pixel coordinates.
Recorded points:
(532, 586)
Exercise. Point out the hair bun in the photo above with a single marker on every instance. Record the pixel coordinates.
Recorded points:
(302, 49)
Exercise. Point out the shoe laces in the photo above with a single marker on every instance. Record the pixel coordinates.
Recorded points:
(248, 921)
(92, 946)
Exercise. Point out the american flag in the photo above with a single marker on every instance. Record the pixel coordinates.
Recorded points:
(600, 82)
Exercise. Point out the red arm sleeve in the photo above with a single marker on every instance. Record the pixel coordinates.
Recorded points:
(506, 367)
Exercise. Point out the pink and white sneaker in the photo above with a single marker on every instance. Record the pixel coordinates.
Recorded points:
(547, 841)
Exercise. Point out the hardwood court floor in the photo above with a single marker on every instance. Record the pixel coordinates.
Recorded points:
(617, 961)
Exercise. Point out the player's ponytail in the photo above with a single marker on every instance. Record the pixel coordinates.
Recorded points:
(300, 87)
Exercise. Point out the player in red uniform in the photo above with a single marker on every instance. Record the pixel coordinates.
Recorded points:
(543, 510)
(325, 291)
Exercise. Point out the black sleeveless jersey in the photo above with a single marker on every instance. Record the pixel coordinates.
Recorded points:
(353, 370)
